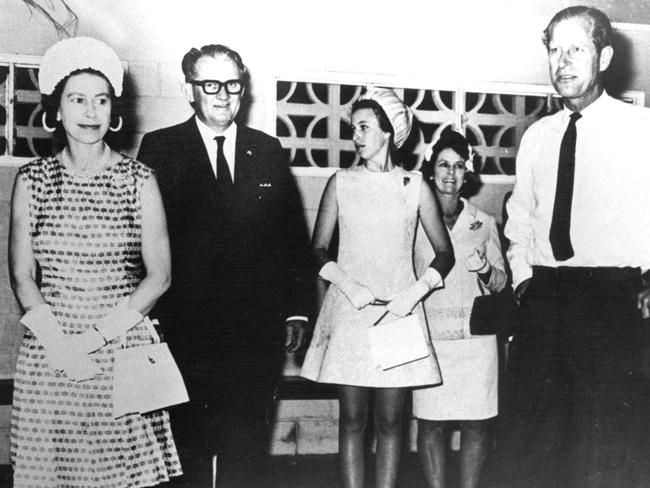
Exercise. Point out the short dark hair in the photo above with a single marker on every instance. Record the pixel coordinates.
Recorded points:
(601, 27)
(382, 118)
(450, 139)
(190, 59)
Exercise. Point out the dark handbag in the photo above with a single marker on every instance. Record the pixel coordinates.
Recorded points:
(493, 314)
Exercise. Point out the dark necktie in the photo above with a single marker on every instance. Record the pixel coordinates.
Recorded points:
(224, 178)
(560, 234)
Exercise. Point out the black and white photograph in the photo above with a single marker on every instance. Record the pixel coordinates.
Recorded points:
(324, 244)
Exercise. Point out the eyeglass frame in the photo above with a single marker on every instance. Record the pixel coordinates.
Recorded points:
(220, 84)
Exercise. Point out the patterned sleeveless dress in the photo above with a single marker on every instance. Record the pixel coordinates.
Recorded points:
(377, 217)
(86, 240)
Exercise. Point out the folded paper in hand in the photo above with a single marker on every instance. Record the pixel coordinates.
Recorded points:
(397, 342)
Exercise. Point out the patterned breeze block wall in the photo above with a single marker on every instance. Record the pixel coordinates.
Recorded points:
(313, 121)
(21, 130)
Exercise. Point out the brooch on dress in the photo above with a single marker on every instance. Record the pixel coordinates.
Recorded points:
(120, 180)
(407, 180)
(476, 225)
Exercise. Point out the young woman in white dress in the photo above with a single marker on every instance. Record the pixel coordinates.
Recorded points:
(376, 206)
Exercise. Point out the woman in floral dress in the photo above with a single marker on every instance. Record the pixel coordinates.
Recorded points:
(89, 256)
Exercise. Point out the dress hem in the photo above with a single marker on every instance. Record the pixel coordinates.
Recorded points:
(366, 385)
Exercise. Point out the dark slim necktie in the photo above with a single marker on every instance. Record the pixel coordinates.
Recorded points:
(224, 178)
(560, 234)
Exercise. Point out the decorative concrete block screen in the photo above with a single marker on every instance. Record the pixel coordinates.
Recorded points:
(313, 119)
(21, 129)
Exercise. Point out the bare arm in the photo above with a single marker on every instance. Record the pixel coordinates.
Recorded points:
(435, 230)
(155, 251)
(325, 223)
(358, 294)
(39, 317)
(22, 264)
(157, 264)
(442, 263)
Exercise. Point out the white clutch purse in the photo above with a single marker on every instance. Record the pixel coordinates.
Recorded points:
(397, 342)
(146, 378)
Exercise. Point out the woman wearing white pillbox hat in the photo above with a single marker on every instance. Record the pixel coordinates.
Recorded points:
(376, 205)
(78, 55)
(399, 115)
(89, 256)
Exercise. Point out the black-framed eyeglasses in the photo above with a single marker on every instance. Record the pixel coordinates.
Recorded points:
(212, 87)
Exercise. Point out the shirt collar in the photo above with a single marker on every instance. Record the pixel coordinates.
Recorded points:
(208, 135)
(593, 108)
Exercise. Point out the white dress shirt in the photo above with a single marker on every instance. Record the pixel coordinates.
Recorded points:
(208, 135)
(610, 216)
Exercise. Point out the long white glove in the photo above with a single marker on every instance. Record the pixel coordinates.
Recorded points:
(359, 295)
(118, 321)
(115, 323)
(406, 300)
(60, 356)
(477, 262)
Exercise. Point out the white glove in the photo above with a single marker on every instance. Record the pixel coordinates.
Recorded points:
(79, 368)
(118, 321)
(58, 351)
(114, 324)
(359, 295)
(406, 300)
(86, 342)
(477, 262)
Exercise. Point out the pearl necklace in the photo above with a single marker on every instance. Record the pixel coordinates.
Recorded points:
(103, 161)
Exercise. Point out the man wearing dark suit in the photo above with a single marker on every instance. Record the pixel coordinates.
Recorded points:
(239, 244)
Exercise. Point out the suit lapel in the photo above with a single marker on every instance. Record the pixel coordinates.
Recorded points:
(245, 157)
(198, 160)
